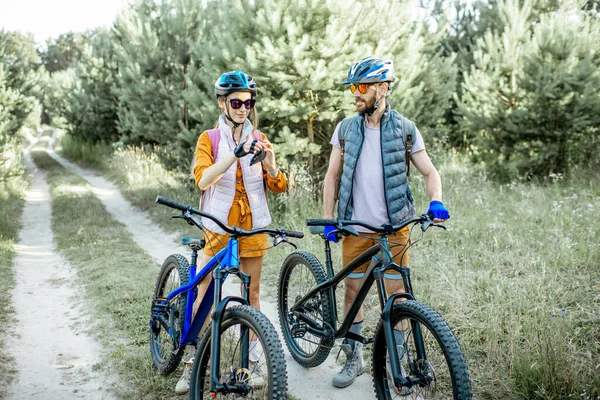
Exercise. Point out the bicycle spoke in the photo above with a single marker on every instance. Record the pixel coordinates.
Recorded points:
(430, 358)
(261, 376)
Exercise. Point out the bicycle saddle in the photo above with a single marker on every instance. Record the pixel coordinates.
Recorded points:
(189, 241)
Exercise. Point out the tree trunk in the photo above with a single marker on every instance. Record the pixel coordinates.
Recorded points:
(185, 104)
(311, 139)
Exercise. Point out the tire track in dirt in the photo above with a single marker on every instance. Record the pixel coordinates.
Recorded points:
(305, 384)
(54, 356)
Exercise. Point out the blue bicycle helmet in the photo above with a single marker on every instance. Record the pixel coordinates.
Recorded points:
(234, 81)
(370, 70)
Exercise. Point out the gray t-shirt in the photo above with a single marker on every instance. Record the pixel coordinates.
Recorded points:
(368, 197)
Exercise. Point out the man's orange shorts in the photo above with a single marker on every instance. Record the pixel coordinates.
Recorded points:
(352, 246)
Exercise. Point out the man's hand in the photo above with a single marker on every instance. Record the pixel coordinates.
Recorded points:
(437, 211)
(330, 234)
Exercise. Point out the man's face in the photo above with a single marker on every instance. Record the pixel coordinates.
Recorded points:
(367, 100)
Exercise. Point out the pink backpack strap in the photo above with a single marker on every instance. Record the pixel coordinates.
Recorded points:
(257, 135)
(215, 137)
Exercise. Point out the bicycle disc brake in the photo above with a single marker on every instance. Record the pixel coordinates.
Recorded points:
(426, 373)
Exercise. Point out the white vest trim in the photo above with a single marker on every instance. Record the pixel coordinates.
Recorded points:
(218, 199)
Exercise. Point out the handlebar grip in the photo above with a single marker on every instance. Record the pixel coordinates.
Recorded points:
(316, 230)
(295, 234)
(321, 222)
(172, 203)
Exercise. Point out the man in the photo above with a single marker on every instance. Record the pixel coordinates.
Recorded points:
(374, 185)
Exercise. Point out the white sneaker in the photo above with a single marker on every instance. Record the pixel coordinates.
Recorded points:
(183, 385)
(256, 351)
(256, 381)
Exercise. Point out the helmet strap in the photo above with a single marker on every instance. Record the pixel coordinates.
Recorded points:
(371, 110)
(228, 117)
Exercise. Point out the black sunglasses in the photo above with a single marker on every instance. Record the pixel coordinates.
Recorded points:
(237, 103)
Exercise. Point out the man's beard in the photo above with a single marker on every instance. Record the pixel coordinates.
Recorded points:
(366, 105)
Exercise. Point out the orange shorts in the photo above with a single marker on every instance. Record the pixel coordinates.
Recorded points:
(352, 246)
(239, 215)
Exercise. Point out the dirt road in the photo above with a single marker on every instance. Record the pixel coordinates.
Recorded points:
(53, 354)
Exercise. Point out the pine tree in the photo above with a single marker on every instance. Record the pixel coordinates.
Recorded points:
(20, 89)
(63, 50)
(153, 51)
(531, 90)
(92, 108)
(299, 52)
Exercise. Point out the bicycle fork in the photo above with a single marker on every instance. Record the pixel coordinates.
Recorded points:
(219, 277)
(386, 316)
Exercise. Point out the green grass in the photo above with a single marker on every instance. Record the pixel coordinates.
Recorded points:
(513, 256)
(12, 188)
(118, 278)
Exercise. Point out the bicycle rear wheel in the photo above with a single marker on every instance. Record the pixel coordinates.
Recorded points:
(441, 374)
(265, 377)
(301, 271)
(164, 346)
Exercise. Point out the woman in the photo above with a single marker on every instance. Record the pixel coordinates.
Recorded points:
(233, 189)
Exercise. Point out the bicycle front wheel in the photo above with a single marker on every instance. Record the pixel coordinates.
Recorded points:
(167, 319)
(429, 355)
(301, 271)
(265, 376)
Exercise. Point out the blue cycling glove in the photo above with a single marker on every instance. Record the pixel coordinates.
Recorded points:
(437, 210)
(329, 233)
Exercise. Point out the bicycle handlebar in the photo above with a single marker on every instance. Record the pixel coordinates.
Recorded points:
(316, 225)
(233, 230)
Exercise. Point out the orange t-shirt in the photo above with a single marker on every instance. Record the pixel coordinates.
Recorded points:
(240, 214)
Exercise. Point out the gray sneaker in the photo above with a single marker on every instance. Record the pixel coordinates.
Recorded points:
(353, 367)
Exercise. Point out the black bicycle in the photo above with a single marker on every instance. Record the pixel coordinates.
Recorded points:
(239, 355)
(414, 351)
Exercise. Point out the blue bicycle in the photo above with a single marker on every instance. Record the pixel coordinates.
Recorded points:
(240, 354)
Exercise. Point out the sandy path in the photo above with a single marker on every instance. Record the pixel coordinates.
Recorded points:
(53, 354)
(306, 384)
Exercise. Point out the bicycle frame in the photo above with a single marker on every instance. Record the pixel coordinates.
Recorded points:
(225, 262)
(374, 273)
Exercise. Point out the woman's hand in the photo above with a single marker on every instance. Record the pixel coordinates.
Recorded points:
(248, 147)
(269, 161)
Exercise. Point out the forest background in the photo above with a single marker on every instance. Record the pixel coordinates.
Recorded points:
(505, 93)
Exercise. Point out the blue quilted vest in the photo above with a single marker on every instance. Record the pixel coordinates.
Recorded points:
(398, 195)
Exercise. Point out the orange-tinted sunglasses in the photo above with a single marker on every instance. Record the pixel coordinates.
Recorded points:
(362, 87)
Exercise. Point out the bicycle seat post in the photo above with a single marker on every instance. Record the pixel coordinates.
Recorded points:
(328, 262)
(194, 257)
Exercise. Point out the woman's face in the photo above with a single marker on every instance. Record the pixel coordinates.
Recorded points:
(238, 115)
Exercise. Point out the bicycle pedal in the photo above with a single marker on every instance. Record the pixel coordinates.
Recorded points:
(160, 305)
(154, 326)
(298, 330)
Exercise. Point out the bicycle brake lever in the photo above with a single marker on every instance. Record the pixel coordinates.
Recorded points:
(440, 226)
(282, 239)
(349, 230)
(177, 217)
(425, 225)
